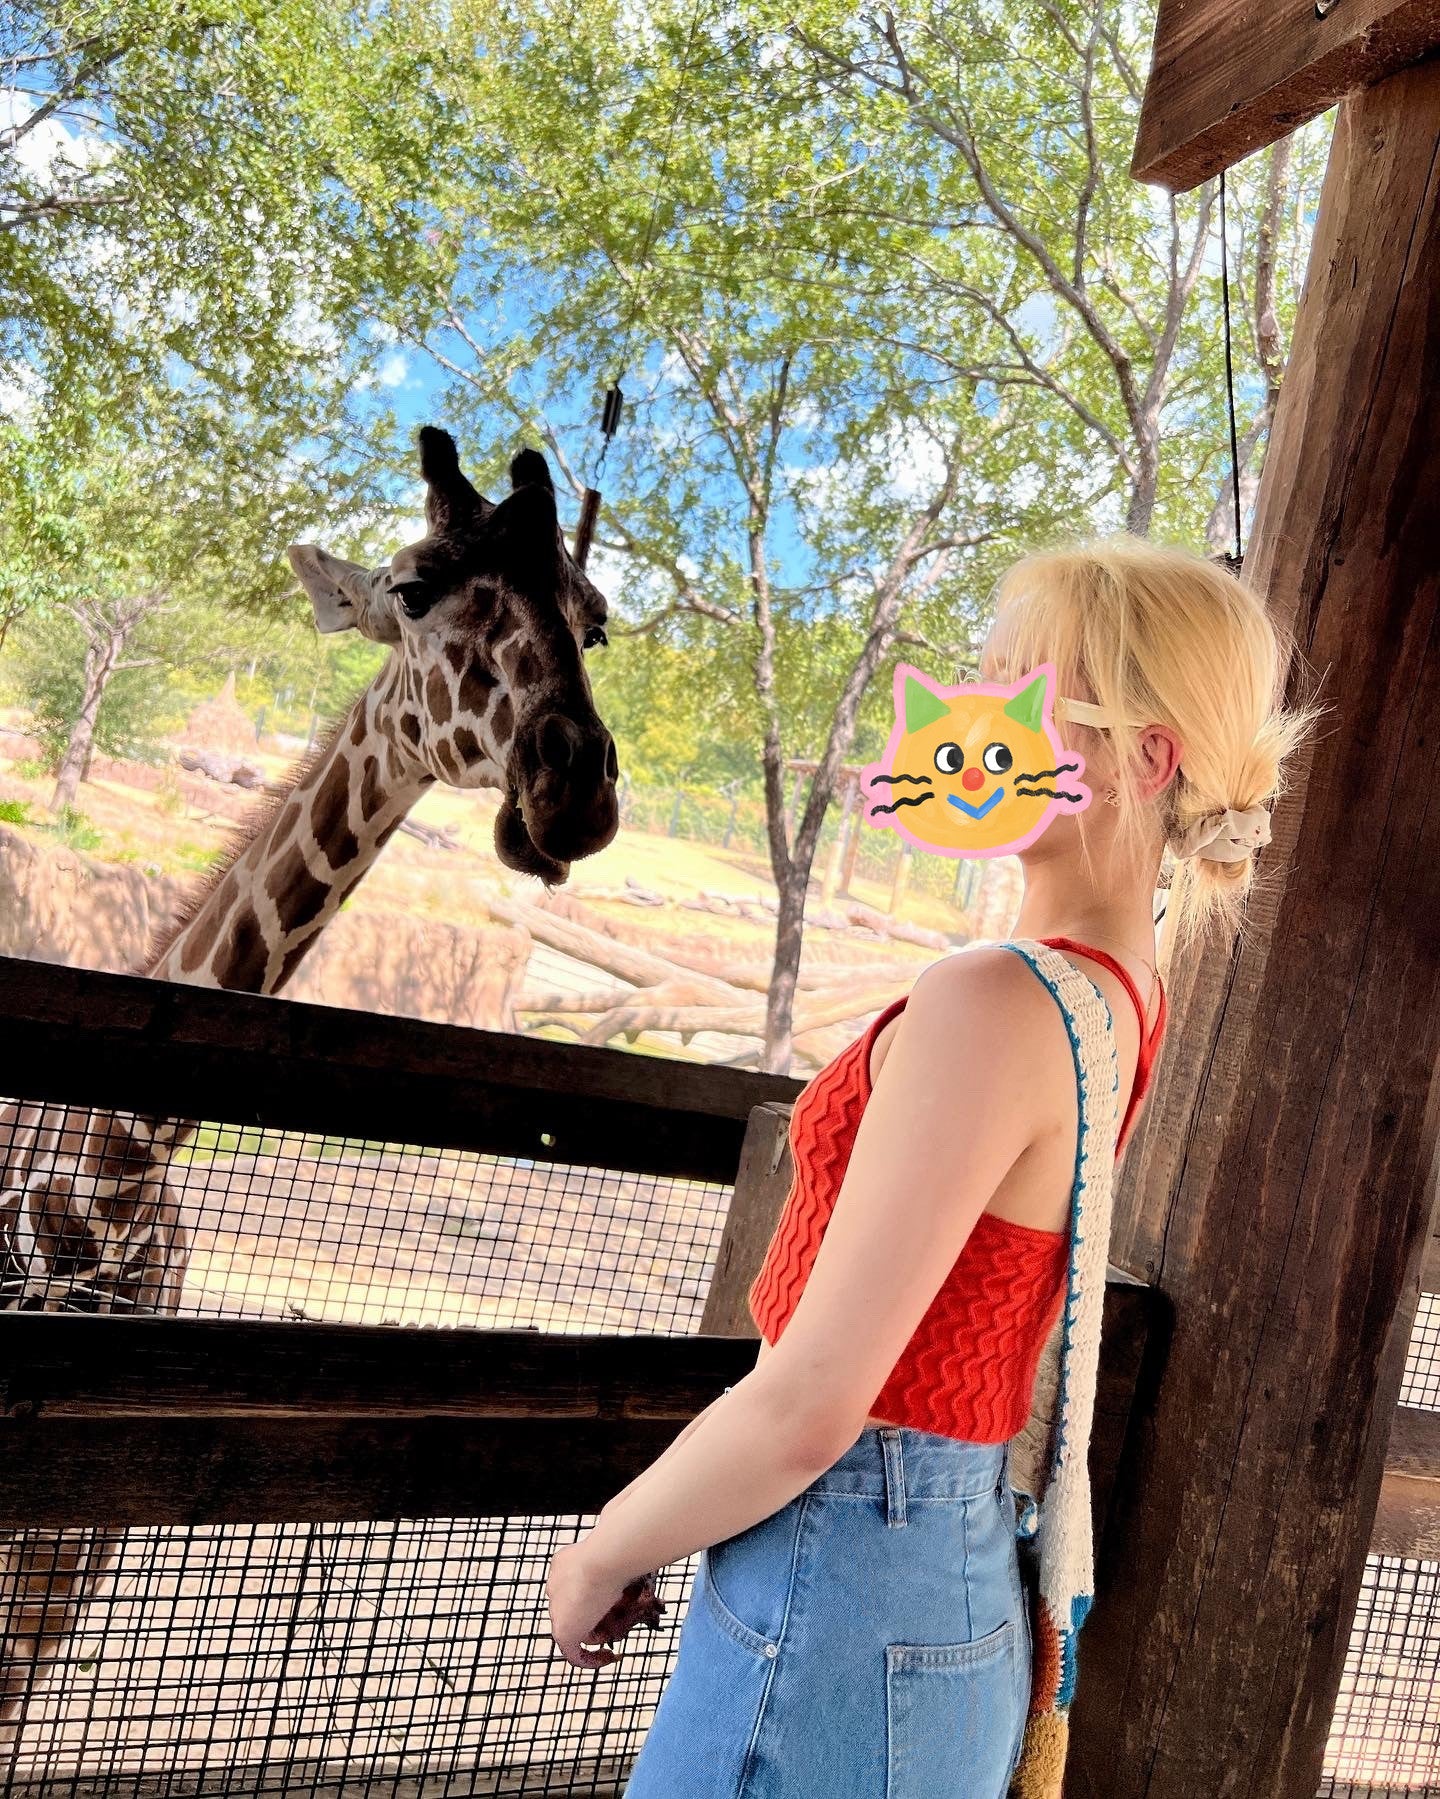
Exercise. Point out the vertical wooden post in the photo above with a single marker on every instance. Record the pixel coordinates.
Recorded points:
(761, 1184)
(1280, 1189)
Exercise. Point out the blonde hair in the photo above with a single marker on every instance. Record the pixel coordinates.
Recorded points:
(1160, 635)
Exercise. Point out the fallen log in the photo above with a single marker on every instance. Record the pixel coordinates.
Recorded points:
(642, 1014)
(641, 967)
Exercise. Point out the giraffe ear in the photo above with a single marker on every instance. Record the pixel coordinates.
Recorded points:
(346, 596)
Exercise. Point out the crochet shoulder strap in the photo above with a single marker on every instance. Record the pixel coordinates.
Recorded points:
(1049, 1459)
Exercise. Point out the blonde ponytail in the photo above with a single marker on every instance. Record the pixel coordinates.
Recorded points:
(1155, 634)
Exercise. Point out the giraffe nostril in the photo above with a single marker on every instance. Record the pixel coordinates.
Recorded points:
(612, 761)
(558, 742)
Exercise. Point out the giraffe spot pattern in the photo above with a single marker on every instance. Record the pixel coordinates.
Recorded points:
(330, 812)
(447, 759)
(246, 953)
(437, 697)
(525, 668)
(503, 719)
(298, 895)
(372, 794)
(410, 726)
(467, 744)
(476, 686)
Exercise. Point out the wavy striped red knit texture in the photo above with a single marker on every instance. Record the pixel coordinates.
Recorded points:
(968, 1370)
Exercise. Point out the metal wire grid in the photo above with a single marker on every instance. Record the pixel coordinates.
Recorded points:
(336, 1659)
(1385, 1730)
(286, 1225)
(355, 1658)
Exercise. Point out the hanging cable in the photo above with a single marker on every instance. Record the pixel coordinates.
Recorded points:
(614, 406)
(1239, 555)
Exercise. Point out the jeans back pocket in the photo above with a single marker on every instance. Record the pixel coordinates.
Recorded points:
(951, 1717)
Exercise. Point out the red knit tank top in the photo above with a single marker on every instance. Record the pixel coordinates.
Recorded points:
(969, 1369)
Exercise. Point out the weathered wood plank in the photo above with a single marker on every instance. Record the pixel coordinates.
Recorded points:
(1414, 1449)
(1227, 78)
(1280, 1191)
(165, 1420)
(123, 1043)
(111, 1367)
(232, 1470)
(761, 1184)
(1407, 1517)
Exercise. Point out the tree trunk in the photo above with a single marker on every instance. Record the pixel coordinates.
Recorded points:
(101, 655)
(780, 1000)
(1280, 1187)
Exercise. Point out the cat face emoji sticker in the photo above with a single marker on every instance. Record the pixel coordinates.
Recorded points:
(975, 770)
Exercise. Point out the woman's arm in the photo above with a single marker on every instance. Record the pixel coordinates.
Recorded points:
(646, 1474)
(971, 1079)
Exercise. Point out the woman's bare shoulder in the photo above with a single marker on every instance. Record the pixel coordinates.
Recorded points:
(983, 991)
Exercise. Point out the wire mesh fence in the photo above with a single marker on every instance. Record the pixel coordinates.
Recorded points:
(1385, 1729)
(281, 1224)
(406, 1657)
(389, 1657)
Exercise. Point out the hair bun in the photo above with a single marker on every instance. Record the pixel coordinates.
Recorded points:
(1224, 836)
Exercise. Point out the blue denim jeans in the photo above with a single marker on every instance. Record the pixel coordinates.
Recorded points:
(868, 1641)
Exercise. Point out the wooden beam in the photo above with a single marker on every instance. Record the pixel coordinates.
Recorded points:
(1280, 1188)
(68, 1366)
(1227, 78)
(123, 1043)
(129, 1421)
(1407, 1518)
(761, 1183)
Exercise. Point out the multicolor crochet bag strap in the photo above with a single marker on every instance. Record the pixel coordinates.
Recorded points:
(1050, 1458)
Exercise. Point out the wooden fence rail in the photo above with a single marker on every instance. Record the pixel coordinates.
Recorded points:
(123, 1043)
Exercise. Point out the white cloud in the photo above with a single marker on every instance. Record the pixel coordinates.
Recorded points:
(49, 146)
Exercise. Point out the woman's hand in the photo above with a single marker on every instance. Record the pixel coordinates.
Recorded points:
(586, 1607)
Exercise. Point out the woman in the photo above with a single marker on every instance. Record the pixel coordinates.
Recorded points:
(857, 1626)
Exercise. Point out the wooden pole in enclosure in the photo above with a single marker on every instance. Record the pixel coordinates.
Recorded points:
(1281, 1187)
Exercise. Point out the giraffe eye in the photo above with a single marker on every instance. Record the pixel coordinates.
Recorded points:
(997, 758)
(949, 758)
(594, 635)
(415, 597)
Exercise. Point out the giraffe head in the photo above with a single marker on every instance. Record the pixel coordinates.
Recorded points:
(488, 616)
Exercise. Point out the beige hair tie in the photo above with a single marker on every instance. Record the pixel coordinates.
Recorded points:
(1227, 836)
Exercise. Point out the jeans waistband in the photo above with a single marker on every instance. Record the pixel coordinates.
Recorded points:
(897, 1463)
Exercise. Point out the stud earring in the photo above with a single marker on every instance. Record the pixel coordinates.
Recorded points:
(1112, 798)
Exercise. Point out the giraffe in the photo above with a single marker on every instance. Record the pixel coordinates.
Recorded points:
(487, 617)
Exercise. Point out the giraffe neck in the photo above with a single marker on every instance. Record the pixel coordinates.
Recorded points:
(251, 930)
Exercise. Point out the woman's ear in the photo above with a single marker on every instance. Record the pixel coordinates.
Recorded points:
(1160, 752)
